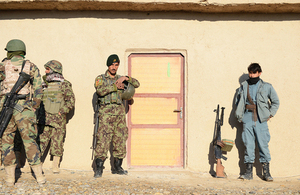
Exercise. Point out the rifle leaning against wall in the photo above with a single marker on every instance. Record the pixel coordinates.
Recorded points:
(11, 100)
(219, 144)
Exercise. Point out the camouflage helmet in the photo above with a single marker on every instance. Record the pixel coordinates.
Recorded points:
(55, 66)
(15, 45)
(128, 91)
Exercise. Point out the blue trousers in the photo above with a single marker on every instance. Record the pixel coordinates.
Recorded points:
(255, 131)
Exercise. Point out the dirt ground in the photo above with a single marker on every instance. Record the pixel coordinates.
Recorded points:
(146, 182)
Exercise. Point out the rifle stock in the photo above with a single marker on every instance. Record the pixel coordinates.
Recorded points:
(11, 100)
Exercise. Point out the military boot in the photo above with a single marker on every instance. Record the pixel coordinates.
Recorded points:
(55, 164)
(266, 172)
(38, 172)
(26, 168)
(99, 168)
(117, 167)
(248, 175)
(10, 175)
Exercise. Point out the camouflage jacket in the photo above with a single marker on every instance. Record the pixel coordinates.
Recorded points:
(69, 103)
(102, 89)
(35, 80)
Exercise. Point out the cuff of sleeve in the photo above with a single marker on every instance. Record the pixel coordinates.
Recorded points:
(129, 79)
(61, 111)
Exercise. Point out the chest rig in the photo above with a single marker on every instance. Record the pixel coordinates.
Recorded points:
(53, 97)
(11, 76)
(111, 98)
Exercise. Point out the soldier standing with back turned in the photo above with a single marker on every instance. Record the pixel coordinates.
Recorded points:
(112, 121)
(58, 100)
(23, 118)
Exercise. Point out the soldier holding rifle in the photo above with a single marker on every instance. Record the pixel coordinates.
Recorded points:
(19, 78)
(112, 122)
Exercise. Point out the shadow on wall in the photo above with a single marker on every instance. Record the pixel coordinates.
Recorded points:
(238, 139)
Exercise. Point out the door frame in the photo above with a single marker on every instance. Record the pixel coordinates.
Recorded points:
(184, 89)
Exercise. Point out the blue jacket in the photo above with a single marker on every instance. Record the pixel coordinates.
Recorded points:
(267, 101)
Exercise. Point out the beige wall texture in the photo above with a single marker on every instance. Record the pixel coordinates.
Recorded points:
(217, 49)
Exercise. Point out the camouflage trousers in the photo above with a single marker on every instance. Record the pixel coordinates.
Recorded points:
(56, 138)
(112, 129)
(25, 122)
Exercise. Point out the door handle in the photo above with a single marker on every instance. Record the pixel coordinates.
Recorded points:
(179, 111)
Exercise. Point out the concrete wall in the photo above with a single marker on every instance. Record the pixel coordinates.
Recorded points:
(219, 47)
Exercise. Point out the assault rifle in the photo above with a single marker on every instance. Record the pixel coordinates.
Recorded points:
(11, 100)
(96, 123)
(218, 143)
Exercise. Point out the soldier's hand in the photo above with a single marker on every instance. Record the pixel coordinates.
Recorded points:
(220, 143)
(119, 85)
(269, 117)
(122, 79)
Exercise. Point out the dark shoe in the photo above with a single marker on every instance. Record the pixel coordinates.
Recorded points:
(118, 169)
(248, 175)
(266, 172)
(99, 168)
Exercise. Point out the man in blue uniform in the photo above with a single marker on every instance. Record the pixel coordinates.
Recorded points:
(257, 102)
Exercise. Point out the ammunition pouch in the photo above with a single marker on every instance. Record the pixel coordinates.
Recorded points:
(53, 98)
(111, 98)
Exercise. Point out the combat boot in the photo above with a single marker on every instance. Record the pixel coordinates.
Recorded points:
(248, 175)
(117, 167)
(26, 168)
(10, 175)
(99, 168)
(18, 159)
(55, 164)
(266, 172)
(38, 172)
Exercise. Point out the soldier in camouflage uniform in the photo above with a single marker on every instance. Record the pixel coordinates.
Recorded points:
(58, 100)
(23, 118)
(112, 122)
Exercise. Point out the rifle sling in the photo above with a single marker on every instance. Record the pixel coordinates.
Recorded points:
(23, 64)
(252, 106)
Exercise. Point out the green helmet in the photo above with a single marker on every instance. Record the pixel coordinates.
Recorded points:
(55, 66)
(128, 91)
(15, 45)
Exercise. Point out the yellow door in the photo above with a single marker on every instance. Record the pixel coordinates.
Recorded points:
(155, 120)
